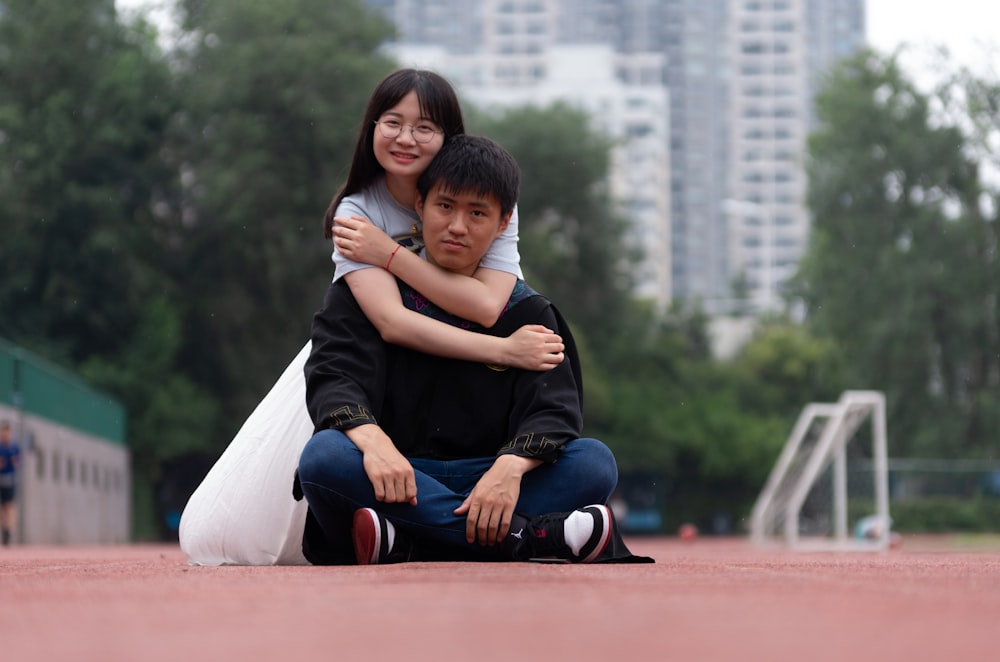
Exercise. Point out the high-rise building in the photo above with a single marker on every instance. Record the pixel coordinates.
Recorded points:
(778, 52)
(511, 54)
(607, 86)
(740, 76)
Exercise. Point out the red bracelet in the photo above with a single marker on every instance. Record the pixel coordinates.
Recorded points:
(391, 255)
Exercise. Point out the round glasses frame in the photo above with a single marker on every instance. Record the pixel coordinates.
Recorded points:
(422, 133)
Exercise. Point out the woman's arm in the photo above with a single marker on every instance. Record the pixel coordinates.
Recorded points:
(532, 347)
(479, 299)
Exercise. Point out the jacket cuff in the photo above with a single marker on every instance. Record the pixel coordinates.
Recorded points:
(535, 446)
(349, 416)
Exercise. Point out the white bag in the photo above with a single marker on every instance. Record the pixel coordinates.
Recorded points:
(243, 512)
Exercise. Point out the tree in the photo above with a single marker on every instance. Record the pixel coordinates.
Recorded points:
(783, 368)
(85, 102)
(902, 273)
(705, 431)
(83, 106)
(273, 93)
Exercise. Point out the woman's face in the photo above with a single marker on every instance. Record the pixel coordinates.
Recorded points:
(404, 141)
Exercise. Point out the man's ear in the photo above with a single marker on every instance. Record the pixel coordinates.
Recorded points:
(504, 222)
(418, 206)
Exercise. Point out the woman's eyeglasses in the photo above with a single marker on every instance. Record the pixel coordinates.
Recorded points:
(422, 133)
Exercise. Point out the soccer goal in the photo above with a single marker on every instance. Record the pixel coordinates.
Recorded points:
(827, 475)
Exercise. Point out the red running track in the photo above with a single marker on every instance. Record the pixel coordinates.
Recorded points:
(704, 600)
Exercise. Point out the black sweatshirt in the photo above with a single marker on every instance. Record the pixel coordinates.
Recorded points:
(433, 407)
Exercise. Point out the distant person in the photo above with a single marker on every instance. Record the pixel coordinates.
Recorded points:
(419, 457)
(10, 462)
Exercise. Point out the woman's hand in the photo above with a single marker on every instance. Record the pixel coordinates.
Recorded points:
(533, 347)
(358, 239)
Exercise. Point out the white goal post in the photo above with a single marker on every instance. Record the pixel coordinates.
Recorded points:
(817, 447)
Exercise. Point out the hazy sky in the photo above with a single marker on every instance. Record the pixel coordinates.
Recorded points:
(968, 28)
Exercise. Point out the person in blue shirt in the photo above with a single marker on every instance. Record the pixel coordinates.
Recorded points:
(10, 461)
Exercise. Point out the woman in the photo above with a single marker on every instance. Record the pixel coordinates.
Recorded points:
(409, 116)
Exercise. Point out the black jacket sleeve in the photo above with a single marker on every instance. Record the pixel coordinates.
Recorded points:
(547, 408)
(345, 371)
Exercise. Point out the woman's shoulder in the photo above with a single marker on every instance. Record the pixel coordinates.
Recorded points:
(369, 196)
(375, 203)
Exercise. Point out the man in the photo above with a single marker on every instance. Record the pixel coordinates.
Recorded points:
(10, 461)
(417, 457)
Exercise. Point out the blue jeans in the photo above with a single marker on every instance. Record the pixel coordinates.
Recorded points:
(333, 479)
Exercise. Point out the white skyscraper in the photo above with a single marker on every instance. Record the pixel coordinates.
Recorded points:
(777, 51)
(519, 61)
(740, 76)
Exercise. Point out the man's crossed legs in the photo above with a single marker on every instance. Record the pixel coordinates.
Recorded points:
(561, 510)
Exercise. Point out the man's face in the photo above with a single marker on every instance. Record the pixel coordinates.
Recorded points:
(459, 228)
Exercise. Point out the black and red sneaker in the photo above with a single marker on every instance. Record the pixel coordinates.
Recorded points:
(579, 536)
(376, 540)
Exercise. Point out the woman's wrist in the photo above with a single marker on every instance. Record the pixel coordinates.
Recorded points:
(392, 255)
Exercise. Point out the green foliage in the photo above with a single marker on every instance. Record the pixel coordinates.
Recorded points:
(145, 512)
(83, 105)
(169, 415)
(785, 367)
(946, 514)
(902, 272)
(272, 95)
(710, 430)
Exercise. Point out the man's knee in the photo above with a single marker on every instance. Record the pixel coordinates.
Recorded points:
(327, 452)
(596, 461)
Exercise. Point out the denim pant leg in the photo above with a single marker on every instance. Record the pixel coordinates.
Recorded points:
(585, 474)
(333, 479)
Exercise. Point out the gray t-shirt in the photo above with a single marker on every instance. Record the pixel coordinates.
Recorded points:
(377, 205)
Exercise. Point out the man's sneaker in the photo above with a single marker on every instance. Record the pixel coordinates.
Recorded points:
(377, 541)
(580, 536)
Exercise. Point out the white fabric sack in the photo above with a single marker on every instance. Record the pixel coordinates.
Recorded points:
(243, 512)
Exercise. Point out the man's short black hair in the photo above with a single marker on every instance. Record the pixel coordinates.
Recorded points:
(474, 164)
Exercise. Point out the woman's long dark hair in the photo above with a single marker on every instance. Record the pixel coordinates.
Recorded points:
(438, 102)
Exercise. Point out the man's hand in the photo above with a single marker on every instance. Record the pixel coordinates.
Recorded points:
(390, 473)
(533, 347)
(357, 239)
(490, 506)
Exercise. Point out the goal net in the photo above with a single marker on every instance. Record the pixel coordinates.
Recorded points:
(829, 487)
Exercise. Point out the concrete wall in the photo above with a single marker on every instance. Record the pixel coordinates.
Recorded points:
(73, 488)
